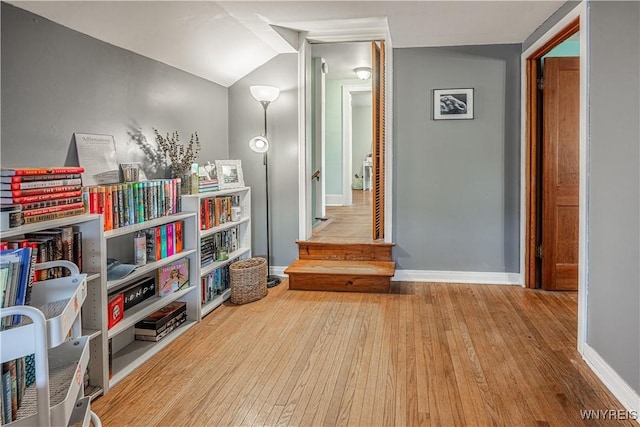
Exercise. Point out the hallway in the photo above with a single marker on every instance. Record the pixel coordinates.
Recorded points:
(347, 224)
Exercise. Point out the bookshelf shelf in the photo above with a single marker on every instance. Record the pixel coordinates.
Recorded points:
(56, 223)
(145, 308)
(240, 230)
(136, 353)
(146, 224)
(217, 264)
(216, 302)
(148, 268)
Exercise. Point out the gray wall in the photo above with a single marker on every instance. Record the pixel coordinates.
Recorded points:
(456, 183)
(246, 120)
(56, 81)
(613, 319)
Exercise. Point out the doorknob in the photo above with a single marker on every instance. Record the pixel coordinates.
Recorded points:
(316, 175)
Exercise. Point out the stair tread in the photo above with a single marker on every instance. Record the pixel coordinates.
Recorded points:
(339, 267)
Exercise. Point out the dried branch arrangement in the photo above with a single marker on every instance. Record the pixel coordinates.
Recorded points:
(181, 157)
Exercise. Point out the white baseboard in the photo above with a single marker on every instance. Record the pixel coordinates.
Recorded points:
(481, 278)
(618, 387)
(334, 199)
(277, 271)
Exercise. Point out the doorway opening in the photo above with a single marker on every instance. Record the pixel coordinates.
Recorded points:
(553, 165)
(343, 123)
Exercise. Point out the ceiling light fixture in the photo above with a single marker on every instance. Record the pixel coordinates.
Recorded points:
(363, 73)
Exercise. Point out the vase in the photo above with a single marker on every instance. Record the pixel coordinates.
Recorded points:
(185, 180)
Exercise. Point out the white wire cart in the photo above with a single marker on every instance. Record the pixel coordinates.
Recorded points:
(51, 330)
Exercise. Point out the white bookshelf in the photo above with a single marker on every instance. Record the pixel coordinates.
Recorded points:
(193, 203)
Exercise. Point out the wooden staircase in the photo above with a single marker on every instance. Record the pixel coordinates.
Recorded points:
(350, 267)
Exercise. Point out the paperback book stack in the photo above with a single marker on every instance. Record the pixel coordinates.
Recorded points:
(207, 185)
(42, 194)
(219, 246)
(215, 211)
(162, 322)
(214, 283)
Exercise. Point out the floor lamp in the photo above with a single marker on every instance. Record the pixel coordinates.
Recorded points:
(265, 95)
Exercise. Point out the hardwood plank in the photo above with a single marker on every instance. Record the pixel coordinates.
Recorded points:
(425, 354)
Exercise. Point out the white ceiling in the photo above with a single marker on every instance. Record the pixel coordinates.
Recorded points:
(224, 41)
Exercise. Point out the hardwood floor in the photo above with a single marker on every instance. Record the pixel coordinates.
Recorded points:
(426, 354)
(347, 223)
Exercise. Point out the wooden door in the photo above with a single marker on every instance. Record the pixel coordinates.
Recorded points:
(378, 155)
(560, 173)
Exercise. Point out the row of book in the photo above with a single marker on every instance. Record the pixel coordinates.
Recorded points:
(61, 243)
(16, 281)
(218, 246)
(42, 194)
(215, 211)
(134, 202)
(164, 240)
(215, 283)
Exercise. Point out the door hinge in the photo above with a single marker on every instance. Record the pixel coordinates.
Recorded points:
(541, 83)
(539, 251)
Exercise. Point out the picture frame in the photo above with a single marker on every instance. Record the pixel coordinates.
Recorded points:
(453, 104)
(229, 174)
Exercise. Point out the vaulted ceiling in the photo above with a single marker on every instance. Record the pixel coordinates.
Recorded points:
(224, 41)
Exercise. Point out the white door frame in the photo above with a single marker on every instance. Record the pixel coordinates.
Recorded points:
(363, 30)
(320, 140)
(581, 12)
(347, 138)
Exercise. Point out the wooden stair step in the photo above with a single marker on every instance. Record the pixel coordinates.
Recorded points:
(335, 275)
(372, 251)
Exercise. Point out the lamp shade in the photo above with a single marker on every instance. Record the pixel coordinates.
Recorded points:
(264, 93)
(259, 144)
(363, 73)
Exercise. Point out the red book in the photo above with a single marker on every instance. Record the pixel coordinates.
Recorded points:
(207, 214)
(49, 203)
(38, 191)
(31, 178)
(40, 171)
(178, 231)
(115, 310)
(158, 243)
(39, 184)
(51, 209)
(40, 197)
(108, 208)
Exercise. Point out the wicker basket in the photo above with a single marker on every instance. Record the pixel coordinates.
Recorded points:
(248, 280)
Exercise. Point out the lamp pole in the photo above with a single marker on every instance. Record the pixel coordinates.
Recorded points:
(272, 280)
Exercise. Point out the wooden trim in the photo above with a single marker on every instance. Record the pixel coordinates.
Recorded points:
(532, 165)
(572, 28)
(531, 173)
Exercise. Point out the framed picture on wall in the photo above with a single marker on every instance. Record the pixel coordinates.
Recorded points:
(452, 104)
(229, 174)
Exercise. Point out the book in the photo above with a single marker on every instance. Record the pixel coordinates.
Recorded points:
(52, 209)
(31, 178)
(52, 202)
(163, 241)
(174, 324)
(54, 215)
(115, 310)
(137, 292)
(6, 194)
(151, 331)
(41, 171)
(173, 277)
(179, 235)
(6, 394)
(39, 184)
(18, 200)
(160, 317)
(170, 239)
(77, 249)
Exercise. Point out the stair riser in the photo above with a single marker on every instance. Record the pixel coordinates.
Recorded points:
(345, 252)
(339, 283)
